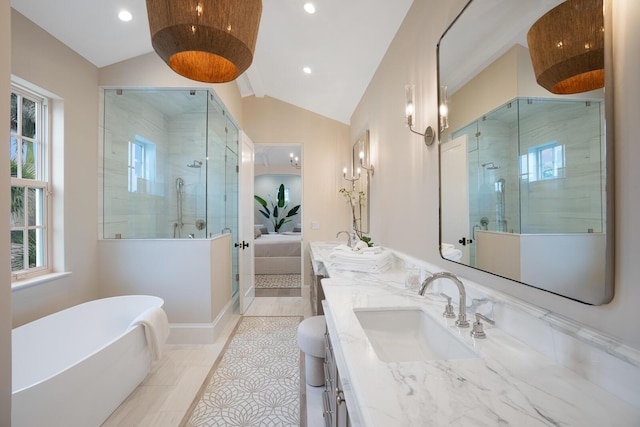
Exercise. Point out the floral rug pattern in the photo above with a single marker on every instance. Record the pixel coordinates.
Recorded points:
(257, 380)
(270, 281)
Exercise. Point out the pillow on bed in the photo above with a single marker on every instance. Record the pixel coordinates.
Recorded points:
(297, 228)
(256, 232)
(263, 228)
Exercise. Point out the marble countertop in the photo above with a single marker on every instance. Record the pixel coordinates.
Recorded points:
(509, 384)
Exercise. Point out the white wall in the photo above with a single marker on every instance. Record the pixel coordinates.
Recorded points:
(403, 162)
(43, 61)
(5, 269)
(193, 276)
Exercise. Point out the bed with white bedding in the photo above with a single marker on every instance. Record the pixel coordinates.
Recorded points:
(278, 253)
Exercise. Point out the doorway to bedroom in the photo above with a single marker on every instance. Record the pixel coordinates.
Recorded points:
(278, 220)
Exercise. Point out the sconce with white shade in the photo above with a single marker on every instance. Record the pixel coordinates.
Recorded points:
(443, 109)
(353, 178)
(294, 160)
(370, 168)
(410, 110)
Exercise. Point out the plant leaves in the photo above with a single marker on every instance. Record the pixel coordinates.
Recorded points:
(293, 211)
(281, 196)
(260, 200)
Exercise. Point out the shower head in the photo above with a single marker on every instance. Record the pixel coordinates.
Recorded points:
(195, 164)
(490, 166)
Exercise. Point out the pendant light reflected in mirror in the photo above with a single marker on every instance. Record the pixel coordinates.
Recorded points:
(567, 47)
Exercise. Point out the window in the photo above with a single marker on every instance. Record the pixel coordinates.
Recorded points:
(543, 162)
(141, 165)
(29, 184)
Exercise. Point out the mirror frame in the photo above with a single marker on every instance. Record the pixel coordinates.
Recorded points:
(364, 182)
(608, 199)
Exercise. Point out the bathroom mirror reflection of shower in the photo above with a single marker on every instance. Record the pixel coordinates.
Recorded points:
(167, 157)
(525, 175)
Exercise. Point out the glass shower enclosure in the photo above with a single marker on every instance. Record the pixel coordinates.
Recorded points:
(525, 178)
(170, 161)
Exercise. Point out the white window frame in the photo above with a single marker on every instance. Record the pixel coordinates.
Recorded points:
(532, 167)
(42, 181)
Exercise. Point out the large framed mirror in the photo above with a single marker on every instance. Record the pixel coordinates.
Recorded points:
(526, 175)
(361, 159)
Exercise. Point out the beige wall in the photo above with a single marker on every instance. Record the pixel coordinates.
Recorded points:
(325, 148)
(72, 81)
(5, 269)
(506, 78)
(403, 162)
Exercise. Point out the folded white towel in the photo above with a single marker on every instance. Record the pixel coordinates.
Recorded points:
(366, 260)
(452, 254)
(155, 323)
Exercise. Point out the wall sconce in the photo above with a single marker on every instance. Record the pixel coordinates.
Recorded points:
(429, 134)
(292, 159)
(368, 169)
(353, 178)
(443, 109)
(566, 46)
(209, 41)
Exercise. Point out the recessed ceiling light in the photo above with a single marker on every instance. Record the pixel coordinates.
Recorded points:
(307, 70)
(309, 8)
(125, 15)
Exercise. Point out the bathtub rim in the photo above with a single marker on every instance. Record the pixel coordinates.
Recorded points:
(159, 302)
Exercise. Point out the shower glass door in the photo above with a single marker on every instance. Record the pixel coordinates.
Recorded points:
(231, 200)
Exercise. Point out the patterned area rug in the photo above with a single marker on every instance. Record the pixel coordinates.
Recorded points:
(256, 381)
(268, 281)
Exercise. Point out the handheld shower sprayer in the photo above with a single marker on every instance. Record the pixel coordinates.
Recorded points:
(180, 185)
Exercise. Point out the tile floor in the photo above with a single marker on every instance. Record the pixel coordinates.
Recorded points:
(167, 392)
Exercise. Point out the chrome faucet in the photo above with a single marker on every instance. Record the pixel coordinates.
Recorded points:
(348, 234)
(462, 321)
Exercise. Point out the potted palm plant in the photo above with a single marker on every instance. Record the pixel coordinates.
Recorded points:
(279, 213)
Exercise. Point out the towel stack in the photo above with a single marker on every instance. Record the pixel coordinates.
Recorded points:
(365, 260)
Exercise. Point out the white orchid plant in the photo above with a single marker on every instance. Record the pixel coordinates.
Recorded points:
(357, 200)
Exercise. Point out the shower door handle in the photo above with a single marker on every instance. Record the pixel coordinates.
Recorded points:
(241, 245)
(464, 241)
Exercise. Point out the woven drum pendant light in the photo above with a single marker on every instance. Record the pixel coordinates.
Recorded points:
(209, 41)
(567, 47)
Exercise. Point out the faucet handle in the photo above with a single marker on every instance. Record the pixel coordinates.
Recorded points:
(478, 327)
(448, 309)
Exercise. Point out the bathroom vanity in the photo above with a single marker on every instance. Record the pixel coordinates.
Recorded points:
(533, 368)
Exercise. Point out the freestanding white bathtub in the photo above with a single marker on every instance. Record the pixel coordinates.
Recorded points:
(75, 367)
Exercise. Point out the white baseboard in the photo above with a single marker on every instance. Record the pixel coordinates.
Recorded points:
(200, 333)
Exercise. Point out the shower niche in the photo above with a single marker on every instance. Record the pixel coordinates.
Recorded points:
(169, 165)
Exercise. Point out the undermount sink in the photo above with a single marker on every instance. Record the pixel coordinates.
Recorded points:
(408, 334)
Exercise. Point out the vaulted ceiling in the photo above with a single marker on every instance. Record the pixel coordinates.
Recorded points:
(342, 43)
